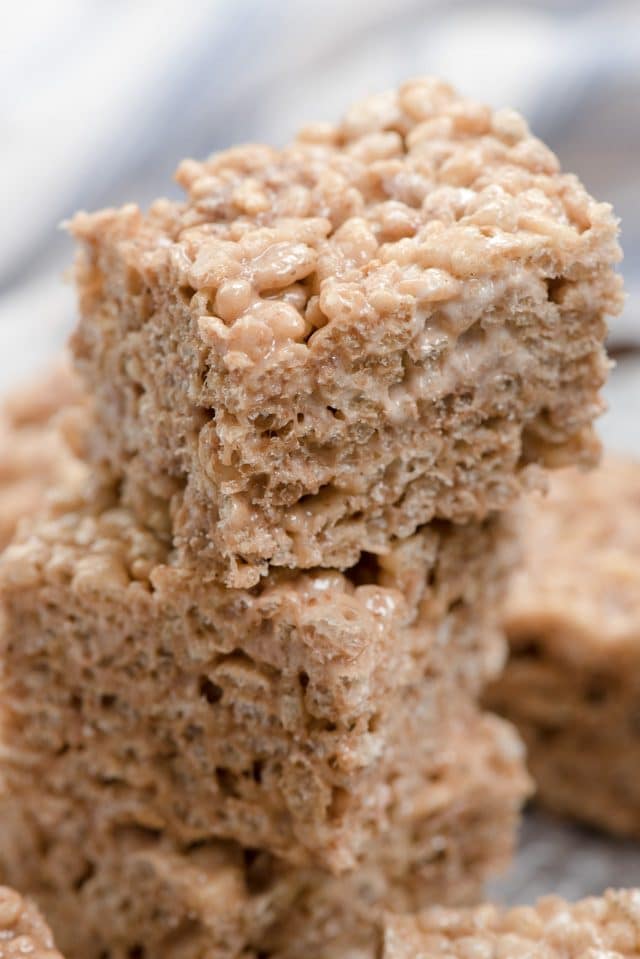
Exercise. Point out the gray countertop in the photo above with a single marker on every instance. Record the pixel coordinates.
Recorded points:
(557, 857)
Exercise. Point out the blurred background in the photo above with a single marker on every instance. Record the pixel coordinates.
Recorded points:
(100, 100)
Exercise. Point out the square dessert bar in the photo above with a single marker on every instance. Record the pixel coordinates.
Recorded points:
(133, 892)
(136, 895)
(287, 716)
(438, 850)
(326, 346)
(572, 684)
(608, 926)
(23, 931)
(34, 459)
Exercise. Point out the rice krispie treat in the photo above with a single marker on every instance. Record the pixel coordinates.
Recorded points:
(326, 346)
(23, 931)
(34, 459)
(137, 896)
(439, 850)
(286, 716)
(608, 926)
(572, 684)
(133, 892)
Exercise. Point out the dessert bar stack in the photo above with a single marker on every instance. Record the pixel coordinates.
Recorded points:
(243, 667)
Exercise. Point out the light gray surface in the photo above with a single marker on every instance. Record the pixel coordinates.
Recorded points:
(567, 860)
(620, 426)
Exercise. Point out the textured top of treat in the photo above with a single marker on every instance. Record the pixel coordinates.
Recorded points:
(603, 928)
(580, 584)
(34, 458)
(415, 191)
(23, 931)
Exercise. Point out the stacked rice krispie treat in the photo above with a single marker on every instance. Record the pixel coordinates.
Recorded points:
(572, 684)
(242, 670)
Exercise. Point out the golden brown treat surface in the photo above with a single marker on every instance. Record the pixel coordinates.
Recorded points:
(580, 583)
(23, 931)
(572, 683)
(596, 928)
(293, 716)
(133, 890)
(328, 345)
